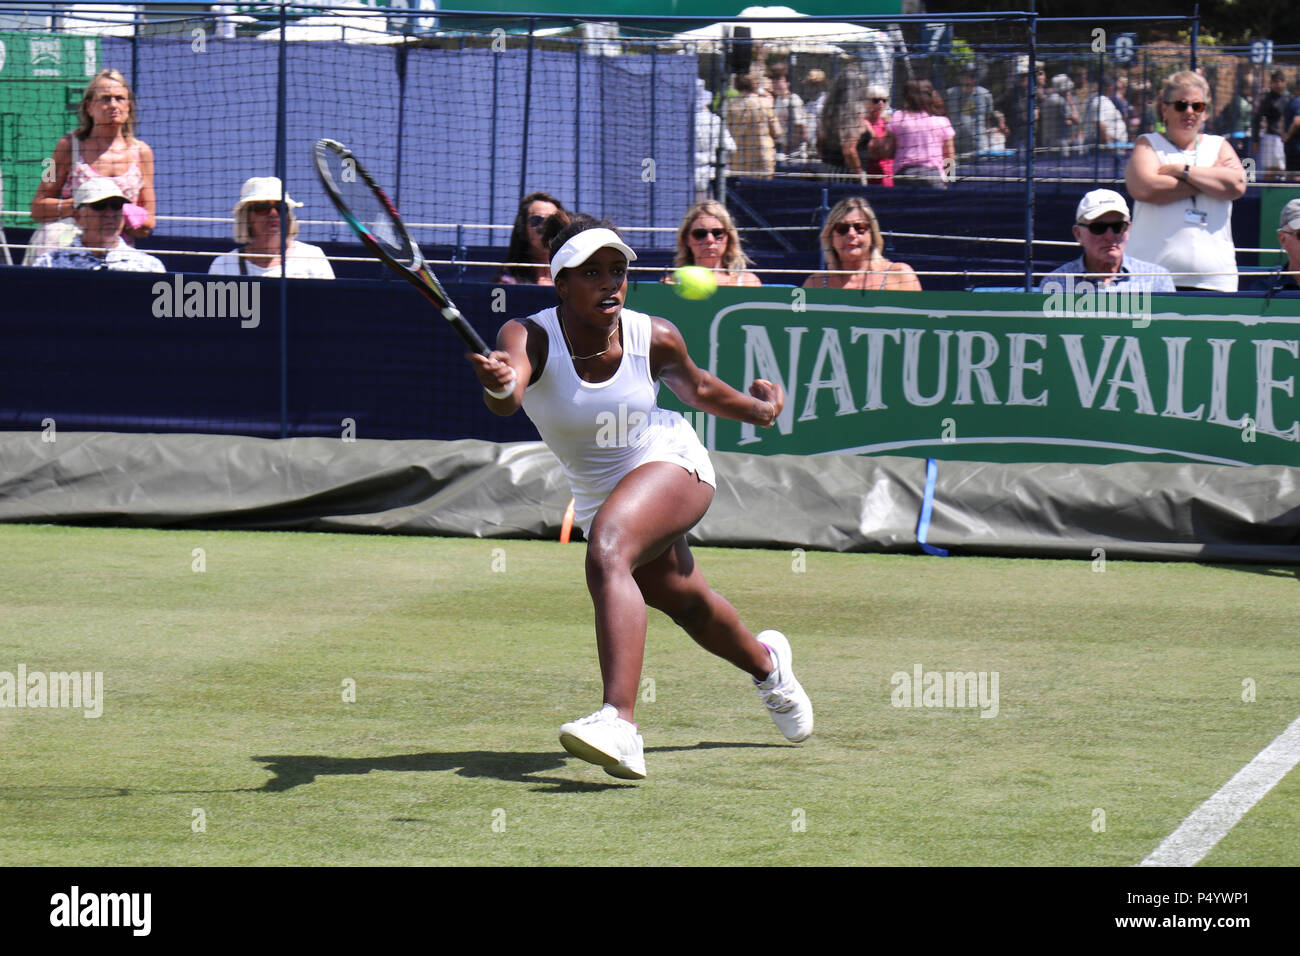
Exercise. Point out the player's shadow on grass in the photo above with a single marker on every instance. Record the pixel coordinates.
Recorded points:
(291, 771)
(1269, 570)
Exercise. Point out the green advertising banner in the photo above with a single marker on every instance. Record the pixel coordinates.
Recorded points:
(1003, 377)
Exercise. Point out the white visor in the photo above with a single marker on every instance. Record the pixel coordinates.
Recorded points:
(584, 245)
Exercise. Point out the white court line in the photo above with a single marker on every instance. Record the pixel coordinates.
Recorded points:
(1211, 821)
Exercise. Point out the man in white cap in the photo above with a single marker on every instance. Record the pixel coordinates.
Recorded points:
(97, 209)
(1101, 228)
(257, 230)
(1288, 237)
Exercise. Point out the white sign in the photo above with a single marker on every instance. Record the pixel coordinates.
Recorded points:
(1125, 47)
(1261, 52)
(46, 56)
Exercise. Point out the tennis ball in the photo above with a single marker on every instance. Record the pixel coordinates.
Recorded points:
(695, 282)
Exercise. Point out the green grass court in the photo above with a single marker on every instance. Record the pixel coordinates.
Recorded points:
(1120, 691)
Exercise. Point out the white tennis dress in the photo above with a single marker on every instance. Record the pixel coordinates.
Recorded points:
(600, 431)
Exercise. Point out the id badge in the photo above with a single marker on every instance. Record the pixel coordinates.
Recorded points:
(1196, 217)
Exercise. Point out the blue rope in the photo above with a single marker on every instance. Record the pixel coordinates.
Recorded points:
(927, 502)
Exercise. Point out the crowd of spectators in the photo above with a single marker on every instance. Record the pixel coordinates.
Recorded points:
(1181, 177)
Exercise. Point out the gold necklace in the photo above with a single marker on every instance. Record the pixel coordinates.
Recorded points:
(609, 343)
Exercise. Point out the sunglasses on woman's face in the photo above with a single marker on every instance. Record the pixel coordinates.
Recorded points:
(1099, 228)
(861, 228)
(1183, 106)
(879, 99)
(536, 222)
(262, 207)
(699, 235)
(105, 204)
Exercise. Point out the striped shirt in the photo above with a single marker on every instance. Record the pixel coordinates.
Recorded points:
(1134, 275)
(121, 258)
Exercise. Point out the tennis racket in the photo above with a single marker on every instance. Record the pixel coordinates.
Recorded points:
(373, 217)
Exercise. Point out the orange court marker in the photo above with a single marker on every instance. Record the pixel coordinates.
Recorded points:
(566, 526)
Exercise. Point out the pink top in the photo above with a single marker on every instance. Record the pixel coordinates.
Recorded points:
(919, 138)
(883, 168)
(130, 182)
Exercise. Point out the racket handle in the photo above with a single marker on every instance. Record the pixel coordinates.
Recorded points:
(466, 331)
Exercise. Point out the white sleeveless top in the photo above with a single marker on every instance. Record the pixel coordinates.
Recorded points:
(1165, 234)
(600, 431)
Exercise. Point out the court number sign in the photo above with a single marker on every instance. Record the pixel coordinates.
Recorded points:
(1125, 47)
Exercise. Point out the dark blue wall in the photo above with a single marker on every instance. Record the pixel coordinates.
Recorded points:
(87, 350)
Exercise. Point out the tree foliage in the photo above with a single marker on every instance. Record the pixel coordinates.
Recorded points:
(1227, 22)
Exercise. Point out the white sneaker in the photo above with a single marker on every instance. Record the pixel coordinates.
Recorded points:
(781, 693)
(606, 739)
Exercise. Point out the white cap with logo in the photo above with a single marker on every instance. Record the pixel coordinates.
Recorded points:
(1099, 202)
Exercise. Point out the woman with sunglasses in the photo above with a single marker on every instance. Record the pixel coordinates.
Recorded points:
(1183, 184)
(708, 238)
(574, 368)
(880, 169)
(852, 246)
(526, 243)
(257, 230)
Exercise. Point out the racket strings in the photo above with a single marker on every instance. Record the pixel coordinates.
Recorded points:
(366, 203)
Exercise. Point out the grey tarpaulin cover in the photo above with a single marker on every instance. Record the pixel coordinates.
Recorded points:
(482, 489)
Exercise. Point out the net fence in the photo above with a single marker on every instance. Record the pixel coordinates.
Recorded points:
(463, 116)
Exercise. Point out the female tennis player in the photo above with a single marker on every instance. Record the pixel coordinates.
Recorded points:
(575, 369)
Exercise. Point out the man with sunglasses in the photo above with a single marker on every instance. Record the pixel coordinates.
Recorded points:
(1287, 276)
(97, 209)
(1101, 228)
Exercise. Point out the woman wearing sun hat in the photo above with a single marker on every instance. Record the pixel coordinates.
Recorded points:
(257, 230)
(587, 374)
